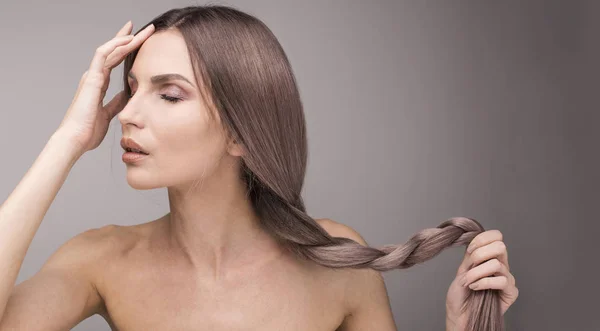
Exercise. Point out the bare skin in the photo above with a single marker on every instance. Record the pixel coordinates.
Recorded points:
(148, 284)
(206, 265)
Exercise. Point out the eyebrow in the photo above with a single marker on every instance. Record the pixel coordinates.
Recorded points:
(159, 79)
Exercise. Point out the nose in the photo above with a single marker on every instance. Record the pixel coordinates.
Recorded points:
(130, 114)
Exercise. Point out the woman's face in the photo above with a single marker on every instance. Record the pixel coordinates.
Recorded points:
(169, 118)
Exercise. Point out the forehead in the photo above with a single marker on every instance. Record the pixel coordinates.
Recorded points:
(164, 51)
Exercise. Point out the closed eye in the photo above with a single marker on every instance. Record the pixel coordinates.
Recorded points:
(164, 97)
(170, 99)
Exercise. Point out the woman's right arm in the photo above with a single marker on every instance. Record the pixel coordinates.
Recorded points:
(63, 292)
(57, 295)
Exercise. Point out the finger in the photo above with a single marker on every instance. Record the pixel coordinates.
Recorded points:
(117, 56)
(102, 52)
(496, 249)
(125, 30)
(496, 282)
(483, 239)
(114, 106)
(91, 89)
(480, 240)
(492, 267)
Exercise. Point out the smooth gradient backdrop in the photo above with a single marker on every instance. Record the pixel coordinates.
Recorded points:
(417, 111)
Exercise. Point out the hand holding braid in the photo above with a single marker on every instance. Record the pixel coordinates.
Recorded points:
(483, 272)
(469, 309)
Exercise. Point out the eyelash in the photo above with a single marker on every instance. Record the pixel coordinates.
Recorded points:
(164, 97)
(170, 99)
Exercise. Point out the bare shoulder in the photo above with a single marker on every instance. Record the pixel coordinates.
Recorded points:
(106, 240)
(88, 246)
(366, 298)
(360, 277)
(103, 248)
(65, 289)
(94, 250)
(337, 229)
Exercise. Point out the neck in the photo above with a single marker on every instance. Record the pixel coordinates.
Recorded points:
(216, 228)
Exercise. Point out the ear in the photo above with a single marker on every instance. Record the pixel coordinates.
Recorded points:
(235, 148)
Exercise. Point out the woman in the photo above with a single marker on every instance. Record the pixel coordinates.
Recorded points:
(211, 111)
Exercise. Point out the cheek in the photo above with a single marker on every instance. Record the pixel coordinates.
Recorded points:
(190, 149)
(179, 132)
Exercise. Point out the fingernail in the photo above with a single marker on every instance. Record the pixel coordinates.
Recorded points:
(473, 286)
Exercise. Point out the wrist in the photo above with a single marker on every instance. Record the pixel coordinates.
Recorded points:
(63, 141)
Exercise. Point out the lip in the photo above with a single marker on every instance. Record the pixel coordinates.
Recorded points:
(127, 142)
(130, 157)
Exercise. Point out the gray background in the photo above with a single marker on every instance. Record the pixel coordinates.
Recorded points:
(417, 111)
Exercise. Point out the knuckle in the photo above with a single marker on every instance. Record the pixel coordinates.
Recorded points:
(501, 245)
(473, 243)
(498, 233)
(101, 50)
(476, 256)
(496, 264)
(469, 245)
(468, 275)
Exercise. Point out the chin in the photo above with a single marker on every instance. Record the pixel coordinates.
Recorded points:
(142, 186)
(138, 183)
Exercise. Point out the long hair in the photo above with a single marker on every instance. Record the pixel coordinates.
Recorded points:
(246, 78)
